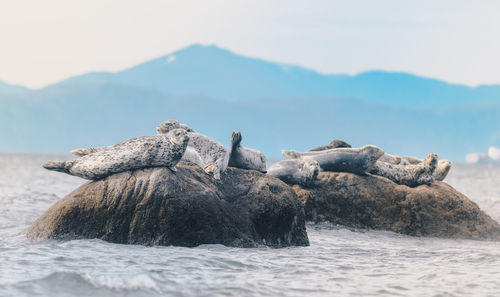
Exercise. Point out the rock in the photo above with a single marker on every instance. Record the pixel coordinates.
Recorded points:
(375, 202)
(157, 206)
(272, 206)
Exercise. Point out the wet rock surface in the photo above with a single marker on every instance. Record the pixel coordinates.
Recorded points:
(157, 206)
(374, 202)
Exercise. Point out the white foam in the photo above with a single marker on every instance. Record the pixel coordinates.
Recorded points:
(474, 158)
(494, 153)
(170, 59)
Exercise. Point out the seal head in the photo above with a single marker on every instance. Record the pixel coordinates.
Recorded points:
(169, 125)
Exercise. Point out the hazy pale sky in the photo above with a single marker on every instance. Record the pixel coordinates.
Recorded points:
(42, 42)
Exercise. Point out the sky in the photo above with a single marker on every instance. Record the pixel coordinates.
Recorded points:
(42, 42)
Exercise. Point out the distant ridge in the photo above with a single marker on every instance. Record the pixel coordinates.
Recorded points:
(8, 89)
(219, 73)
(275, 106)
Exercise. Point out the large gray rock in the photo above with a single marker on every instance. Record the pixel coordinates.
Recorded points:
(157, 206)
(375, 202)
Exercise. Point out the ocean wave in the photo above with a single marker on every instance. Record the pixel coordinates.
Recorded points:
(63, 283)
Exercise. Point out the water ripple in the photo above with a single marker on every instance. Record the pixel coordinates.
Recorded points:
(340, 261)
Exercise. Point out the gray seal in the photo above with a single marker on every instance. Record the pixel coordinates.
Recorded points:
(336, 143)
(410, 160)
(141, 152)
(295, 171)
(245, 158)
(409, 175)
(212, 156)
(391, 159)
(355, 160)
(202, 150)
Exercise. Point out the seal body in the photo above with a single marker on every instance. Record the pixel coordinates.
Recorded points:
(141, 152)
(336, 143)
(355, 160)
(202, 150)
(295, 171)
(388, 158)
(245, 158)
(210, 154)
(409, 160)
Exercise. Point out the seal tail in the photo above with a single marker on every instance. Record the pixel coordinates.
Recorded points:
(58, 166)
(235, 142)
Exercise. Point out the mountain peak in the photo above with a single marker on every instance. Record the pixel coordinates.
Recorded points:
(215, 72)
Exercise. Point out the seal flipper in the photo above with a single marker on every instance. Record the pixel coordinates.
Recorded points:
(62, 166)
(236, 139)
(80, 152)
(235, 142)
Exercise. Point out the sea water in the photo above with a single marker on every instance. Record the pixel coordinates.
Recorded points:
(339, 262)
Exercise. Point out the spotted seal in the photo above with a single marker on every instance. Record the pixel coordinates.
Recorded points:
(164, 150)
(409, 175)
(244, 158)
(355, 160)
(295, 171)
(442, 168)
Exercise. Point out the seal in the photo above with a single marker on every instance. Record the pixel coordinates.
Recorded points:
(191, 154)
(212, 156)
(355, 160)
(244, 158)
(409, 175)
(336, 143)
(295, 171)
(442, 169)
(164, 150)
(202, 150)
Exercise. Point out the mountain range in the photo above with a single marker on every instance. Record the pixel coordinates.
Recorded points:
(276, 106)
